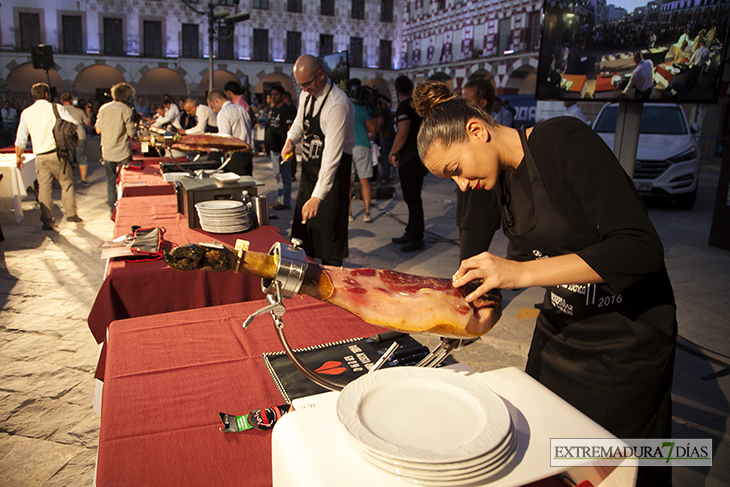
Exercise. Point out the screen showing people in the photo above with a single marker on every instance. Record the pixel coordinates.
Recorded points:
(632, 50)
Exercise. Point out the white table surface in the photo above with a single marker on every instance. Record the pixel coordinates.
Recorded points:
(309, 446)
(14, 182)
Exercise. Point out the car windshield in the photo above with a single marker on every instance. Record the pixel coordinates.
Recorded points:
(654, 120)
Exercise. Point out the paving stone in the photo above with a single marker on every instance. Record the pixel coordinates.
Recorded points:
(31, 462)
(78, 471)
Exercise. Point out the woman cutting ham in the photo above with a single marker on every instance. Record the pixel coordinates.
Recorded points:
(606, 335)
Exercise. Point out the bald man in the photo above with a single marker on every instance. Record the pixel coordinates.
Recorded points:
(204, 115)
(325, 122)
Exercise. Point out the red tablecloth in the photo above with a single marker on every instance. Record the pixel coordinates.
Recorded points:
(11, 150)
(144, 182)
(579, 80)
(168, 377)
(603, 83)
(133, 289)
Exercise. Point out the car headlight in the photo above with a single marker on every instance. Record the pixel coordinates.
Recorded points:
(685, 156)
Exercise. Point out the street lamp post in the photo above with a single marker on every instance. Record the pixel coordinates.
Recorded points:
(217, 17)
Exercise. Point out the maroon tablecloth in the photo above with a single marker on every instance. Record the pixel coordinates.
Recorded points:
(168, 376)
(147, 181)
(134, 289)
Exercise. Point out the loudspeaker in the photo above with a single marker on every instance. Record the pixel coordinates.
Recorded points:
(42, 56)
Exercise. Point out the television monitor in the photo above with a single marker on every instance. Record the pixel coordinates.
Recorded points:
(589, 50)
(337, 67)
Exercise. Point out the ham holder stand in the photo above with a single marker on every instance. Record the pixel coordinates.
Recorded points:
(292, 262)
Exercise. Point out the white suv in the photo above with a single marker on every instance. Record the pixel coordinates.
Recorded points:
(668, 159)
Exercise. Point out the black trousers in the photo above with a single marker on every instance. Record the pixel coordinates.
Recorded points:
(411, 182)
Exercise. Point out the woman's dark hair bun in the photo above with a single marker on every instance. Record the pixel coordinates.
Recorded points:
(430, 94)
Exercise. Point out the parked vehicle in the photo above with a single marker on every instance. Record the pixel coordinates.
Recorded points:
(668, 158)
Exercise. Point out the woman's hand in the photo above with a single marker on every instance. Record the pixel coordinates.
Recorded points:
(499, 273)
(496, 272)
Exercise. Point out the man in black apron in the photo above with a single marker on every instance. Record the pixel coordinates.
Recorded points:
(325, 124)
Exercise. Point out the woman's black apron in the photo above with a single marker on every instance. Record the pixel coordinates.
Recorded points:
(609, 355)
(325, 235)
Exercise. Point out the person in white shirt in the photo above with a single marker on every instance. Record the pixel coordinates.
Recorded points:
(205, 117)
(37, 121)
(9, 116)
(697, 63)
(573, 110)
(642, 78)
(233, 120)
(83, 121)
(172, 112)
(325, 122)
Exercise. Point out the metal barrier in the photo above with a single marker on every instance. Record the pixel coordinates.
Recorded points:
(711, 148)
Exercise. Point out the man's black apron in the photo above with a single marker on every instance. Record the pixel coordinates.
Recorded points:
(325, 235)
(604, 353)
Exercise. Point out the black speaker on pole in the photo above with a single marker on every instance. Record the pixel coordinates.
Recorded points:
(42, 56)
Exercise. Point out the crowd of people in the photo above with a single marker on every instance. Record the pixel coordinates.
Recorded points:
(606, 334)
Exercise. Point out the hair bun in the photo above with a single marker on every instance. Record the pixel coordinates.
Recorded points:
(430, 94)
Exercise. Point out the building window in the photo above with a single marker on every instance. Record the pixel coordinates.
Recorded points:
(30, 30)
(326, 44)
(386, 54)
(72, 34)
(293, 46)
(358, 9)
(293, 5)
(190, 44)
(225, 42)
(113, 37)
(327, 7)
(505, 34)
(442, 4)
(356, 52)
(264, 4)
(152, 38)
(260, 44)
(532, 39)
(386, 10)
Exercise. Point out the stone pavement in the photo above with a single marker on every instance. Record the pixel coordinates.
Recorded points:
(48, 281)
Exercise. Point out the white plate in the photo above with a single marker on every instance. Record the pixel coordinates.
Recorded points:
(219, 205)
(423, 415)
(477, 479)
(445, 468)
(227, 177)
(458, 475)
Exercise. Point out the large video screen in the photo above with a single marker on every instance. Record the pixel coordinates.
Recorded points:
(632, 50)
(337, 67)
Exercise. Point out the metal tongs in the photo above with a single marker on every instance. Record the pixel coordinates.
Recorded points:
(292, 263)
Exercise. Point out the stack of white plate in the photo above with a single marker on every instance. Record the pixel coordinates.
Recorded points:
(428, 426)
(223, 216)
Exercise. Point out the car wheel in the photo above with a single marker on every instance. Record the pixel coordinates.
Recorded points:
(687, 201)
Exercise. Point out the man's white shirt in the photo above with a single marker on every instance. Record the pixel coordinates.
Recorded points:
(37, 121)
(234, 120)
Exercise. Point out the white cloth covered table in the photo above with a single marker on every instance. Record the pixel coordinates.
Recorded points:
(14, 183)
(309, 446)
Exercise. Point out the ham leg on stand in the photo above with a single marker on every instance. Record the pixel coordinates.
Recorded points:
(403, 302)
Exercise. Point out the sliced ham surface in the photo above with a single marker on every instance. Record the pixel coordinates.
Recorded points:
(411, 304)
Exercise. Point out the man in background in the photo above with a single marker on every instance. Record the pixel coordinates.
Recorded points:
(362, 162)
(204, 116)
(281, 118)
(115, 123)
(37, 121)
(235, 94)
(171, 114)
(9, 117)
(233, 120)
(404, 156)
(642, 79)
(82, 120)
(325, 123)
